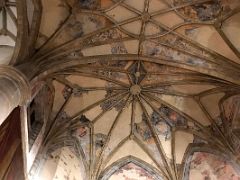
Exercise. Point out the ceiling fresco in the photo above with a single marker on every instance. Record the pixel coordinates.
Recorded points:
(144, 110)
(147, 89)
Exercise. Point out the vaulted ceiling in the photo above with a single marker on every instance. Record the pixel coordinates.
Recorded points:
(156, 81)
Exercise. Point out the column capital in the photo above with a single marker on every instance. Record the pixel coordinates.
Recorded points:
(19, 80)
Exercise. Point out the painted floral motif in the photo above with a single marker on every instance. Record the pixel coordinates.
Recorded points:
(76, 91)
(83, 135)
(63, 116)
(89, 4)
(205, 166)
(173, 117)
(143, 130)
(118, 48)
(174, 41)
(203, 12)
(75, 28)
(67, 91)
(138, 72)
(106, 68)
(81, 131)
(79, 25)
(156, 50)
(162, 125)
(117, 103)
(100, 139)
(108, 35)
(114, 75)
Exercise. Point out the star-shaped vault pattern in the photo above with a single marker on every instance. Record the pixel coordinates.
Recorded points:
(152, 81)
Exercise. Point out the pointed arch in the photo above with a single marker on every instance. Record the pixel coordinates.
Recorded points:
(111, 169)
(209, 154)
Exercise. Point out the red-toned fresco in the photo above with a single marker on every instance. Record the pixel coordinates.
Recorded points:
(205, 166)
(131, 172)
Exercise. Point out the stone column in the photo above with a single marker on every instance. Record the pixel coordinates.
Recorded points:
(14, 90)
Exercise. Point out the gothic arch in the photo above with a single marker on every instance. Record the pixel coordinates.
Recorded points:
(207, 150)
(111, 169)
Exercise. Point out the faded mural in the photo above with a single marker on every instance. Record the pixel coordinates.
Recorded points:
(131, 171)
(62, 164)
(154, 80)
(211, 167)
